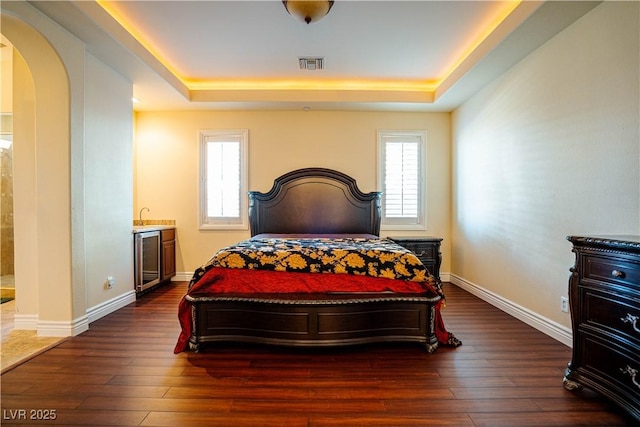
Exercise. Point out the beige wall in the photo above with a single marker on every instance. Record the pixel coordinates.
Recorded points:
(73, 171)
(549, 149)
(108, 175)
(166, 165)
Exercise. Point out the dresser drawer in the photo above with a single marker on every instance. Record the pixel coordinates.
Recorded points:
(611, 270)
(611, 313)
(424, 251)
(423, 248)
(611, 370)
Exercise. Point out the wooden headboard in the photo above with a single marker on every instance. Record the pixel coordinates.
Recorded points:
(315, 201)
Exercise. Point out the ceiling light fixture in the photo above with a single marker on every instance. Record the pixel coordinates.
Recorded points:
(308, 10)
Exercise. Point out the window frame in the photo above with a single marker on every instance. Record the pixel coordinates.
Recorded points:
(419, 222)
(241, 222)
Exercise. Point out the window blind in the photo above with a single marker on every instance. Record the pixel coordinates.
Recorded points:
(401, 178)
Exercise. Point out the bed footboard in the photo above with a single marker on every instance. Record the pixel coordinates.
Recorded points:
(318, 321)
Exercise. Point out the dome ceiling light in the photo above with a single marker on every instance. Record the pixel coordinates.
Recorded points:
(308, 10)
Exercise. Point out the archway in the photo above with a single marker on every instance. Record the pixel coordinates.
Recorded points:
(48, 298)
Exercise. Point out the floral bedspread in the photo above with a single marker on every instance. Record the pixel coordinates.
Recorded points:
(358, 256)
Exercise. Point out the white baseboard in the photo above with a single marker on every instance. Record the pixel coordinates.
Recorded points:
(25, 322)
(30, 322)
(182, 276)
(99, 311)
(549, 327)
(49, 328)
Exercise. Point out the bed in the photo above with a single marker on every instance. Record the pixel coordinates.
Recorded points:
(314, 273)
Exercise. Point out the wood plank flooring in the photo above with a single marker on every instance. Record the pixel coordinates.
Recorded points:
(123, 372)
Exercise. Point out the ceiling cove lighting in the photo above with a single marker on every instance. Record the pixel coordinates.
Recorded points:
(308, 10)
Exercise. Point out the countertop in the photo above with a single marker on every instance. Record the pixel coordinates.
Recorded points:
(151, 227)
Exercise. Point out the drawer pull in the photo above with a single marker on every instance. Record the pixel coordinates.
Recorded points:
(617, 274)
(631, 319)
(632, 373)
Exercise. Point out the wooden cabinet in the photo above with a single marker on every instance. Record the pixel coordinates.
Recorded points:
(168, 256)
(604, 296)
(426, 248)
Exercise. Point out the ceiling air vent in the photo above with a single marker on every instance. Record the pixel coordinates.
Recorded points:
(311, 63)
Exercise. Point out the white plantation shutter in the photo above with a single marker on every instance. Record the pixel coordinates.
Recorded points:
(401, 179)
(223, 179)
(401, 171)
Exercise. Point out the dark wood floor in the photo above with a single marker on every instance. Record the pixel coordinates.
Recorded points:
(123, 372)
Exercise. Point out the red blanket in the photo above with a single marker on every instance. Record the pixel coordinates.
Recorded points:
(218, 280)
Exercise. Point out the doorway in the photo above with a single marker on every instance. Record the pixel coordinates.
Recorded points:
(7, 281)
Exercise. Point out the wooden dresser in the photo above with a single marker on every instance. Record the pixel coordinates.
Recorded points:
(604, 296)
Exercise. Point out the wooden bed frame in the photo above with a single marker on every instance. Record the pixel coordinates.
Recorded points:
(314, 201)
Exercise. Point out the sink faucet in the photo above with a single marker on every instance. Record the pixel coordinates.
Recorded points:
(141, 212)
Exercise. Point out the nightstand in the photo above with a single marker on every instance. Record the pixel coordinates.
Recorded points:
(426, 248)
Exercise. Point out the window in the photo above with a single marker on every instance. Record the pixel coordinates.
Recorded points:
(223, 179)
(401, 157)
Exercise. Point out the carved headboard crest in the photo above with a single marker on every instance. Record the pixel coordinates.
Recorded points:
(315, 201)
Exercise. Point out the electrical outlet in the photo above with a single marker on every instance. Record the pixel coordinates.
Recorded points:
(564, 304)
(111, 281)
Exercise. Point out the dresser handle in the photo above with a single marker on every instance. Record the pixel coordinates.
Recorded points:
(617, 274)
(632, 372)
(421, 254)
(631, 319)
